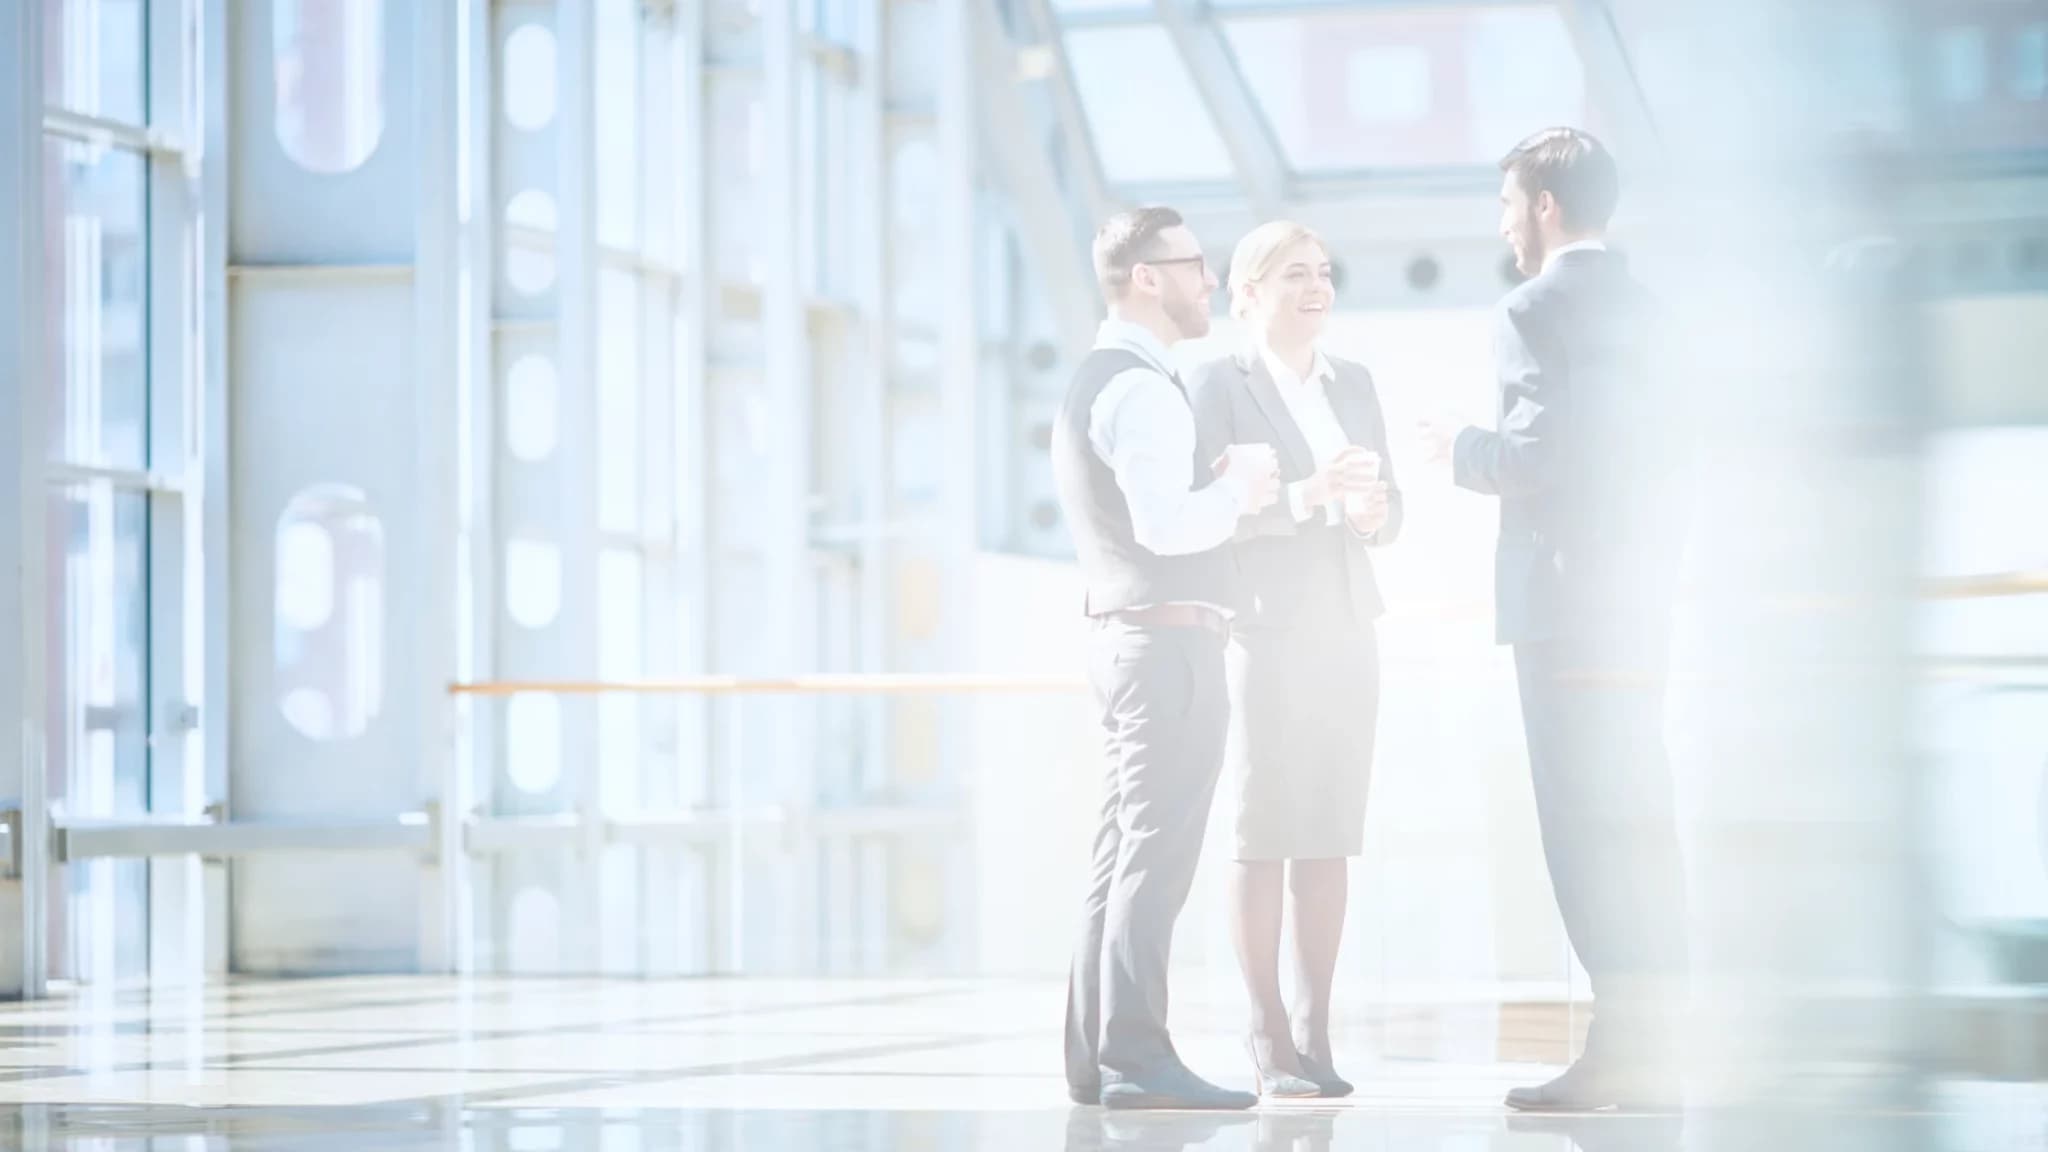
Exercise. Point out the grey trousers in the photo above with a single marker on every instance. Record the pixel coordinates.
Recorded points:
(1595, 726)
(1165, 714)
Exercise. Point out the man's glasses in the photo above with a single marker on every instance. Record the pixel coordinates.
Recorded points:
(1198, 259)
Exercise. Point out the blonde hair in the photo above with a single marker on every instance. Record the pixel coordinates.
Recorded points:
(1258, 252)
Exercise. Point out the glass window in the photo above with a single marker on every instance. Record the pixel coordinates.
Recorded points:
(843, 195)
(531, 419)
(97, 57)
(621, 620)
(917, 444)
(913, 266)
(739, 143)
(1391, 88)
(530, 222)
(529, 78)
(1149, 121)
(618, 401)
(1959, 64)
(305, 566)
(837, 21)
(810, 176)
(1860, 46)
(1103, 7)
(96, 271)
(533, 581)
(328, 612)
(1389, 85)
(1863, 49)
(329, 56)
(733, 32)
(97, 723)
(98, 620)
(618, 122)
(913, 41)
(533, 741)
(2030, 62)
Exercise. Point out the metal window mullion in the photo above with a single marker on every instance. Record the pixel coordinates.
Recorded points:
(655, 298)
(175, 576)
(437, 261)
(696, 471)
(790, 626)
(959, 363)
(23, 492)
(483, 718)
(871, 137)
(630, 943)
(209, 547)
(575, 627)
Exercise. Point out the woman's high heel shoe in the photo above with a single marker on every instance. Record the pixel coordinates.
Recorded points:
(1279, 1085)
(1324, 1076)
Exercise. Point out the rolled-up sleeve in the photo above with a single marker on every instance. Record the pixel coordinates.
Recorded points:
(1142, 427)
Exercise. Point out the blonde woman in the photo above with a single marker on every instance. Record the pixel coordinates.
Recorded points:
(1305, 662)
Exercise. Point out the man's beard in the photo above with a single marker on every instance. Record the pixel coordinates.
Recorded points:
(1530, 261)
(1189, 315)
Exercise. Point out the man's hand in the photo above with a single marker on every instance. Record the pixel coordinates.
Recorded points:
(1439, 437)
(1368, 512)
(1257, 468)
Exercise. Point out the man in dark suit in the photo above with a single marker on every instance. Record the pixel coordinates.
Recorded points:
(1584, 462)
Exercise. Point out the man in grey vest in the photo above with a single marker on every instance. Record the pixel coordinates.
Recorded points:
(1151, 523)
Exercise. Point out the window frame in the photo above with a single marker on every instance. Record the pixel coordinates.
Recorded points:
(183, 649)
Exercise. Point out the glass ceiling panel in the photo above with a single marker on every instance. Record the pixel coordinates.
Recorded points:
(1149, 122)
(1099, 7)
(1409, 87)
(1848, 64)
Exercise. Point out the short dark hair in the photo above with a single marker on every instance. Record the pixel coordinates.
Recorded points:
(1577, 171)
(1125, 241)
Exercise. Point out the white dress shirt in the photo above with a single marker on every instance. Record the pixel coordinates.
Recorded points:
(1141, 426)
(1308, 404)
(1550, 258)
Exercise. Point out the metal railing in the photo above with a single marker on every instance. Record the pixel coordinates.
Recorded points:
(818, 684)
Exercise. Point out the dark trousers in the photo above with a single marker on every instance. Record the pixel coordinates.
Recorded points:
(1595, 726)
(1165, 712)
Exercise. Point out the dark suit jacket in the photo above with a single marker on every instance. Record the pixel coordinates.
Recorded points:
(1309, 574)
(1586, 459)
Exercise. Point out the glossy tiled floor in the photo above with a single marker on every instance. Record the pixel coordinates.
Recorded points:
(625, 1066)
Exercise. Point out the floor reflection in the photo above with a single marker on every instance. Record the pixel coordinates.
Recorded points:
(63, 1128)
(490, 1065)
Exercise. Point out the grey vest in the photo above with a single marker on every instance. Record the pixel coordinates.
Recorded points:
(1121, 573)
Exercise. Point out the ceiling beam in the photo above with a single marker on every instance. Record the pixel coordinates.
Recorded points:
(1611, 80)
(1266, 9)
(1261, 169)
(1043, 213)
(1096, 197)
